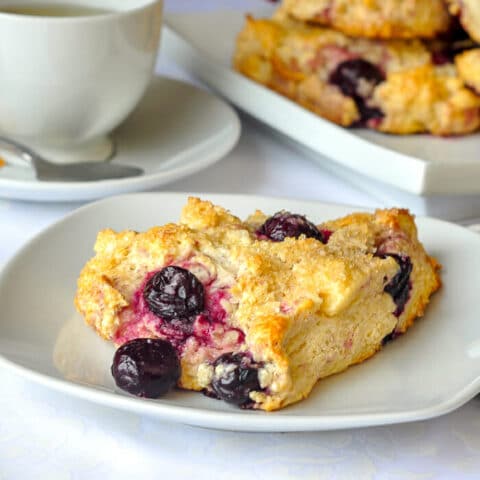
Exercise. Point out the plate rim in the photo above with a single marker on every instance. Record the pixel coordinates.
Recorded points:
(237, 420)
(254, 421)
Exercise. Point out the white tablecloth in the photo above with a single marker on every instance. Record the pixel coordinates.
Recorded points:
(44, 434)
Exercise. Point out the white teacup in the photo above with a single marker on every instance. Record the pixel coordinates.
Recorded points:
(67, 81)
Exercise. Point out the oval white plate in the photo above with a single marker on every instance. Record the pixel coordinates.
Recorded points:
(431, 370)
(419, 164)
(176, 130)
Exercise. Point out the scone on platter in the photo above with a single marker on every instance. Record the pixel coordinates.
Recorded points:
(375, 18)
(393, 86)
(253, 312)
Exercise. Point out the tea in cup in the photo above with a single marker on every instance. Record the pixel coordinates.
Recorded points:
(72, 70)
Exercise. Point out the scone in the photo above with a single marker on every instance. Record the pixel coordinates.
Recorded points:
(468, 12)
(468, 65)
(375, 18)
(258, 311)
(392, 86)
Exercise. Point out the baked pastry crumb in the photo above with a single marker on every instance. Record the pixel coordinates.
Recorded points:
(393, 86)
(257, 310)
(375, 19)
(468, 65)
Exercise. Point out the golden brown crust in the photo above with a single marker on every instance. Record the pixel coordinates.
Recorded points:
(468, 65)
(305, 309)
(427, 99)
(297, 60)
(425, 268)
(375, 18)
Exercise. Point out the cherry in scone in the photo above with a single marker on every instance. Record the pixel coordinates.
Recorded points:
(146, 367)
(235, 376)
(285, 224)
(400, 285)
(357, 78)
(458, 42)
(174, 293)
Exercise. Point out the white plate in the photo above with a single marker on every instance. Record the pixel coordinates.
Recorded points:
(432, 369)
(176, 130)
(419, 164)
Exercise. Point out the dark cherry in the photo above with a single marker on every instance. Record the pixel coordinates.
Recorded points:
(239, 378)
(146, 367)
(174, 293)
(389, 337)
(368, 113)
(441, 57)
(285, 224)
(451, 44)
(357, 78)
(448, 54)
(399, 286)
(326, 234)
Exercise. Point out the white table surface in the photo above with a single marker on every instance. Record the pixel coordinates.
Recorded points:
(47, 435)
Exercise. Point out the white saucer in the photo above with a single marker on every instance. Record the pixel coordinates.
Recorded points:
(176, 130)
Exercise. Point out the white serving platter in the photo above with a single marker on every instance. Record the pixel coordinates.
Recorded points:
(203, 44)
(432, 369)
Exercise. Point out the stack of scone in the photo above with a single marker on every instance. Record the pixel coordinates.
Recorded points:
(397, 66)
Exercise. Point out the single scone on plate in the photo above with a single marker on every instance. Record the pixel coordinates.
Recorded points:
(253, 312)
